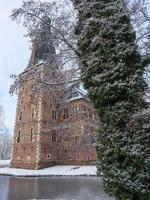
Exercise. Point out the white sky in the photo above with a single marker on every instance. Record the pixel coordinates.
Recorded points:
(14, 56)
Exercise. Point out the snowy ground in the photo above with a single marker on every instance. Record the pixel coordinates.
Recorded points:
(4, 163)
(59, 170)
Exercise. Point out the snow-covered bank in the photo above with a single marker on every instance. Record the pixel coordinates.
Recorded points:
(58, 170)
(4, 163)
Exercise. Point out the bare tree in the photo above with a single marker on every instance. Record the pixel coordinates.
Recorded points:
(59, 20)
(5, 139)
(61, 24)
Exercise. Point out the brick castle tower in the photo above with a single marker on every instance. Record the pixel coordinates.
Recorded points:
(55, 127)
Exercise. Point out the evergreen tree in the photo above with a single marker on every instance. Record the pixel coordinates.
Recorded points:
(112, 71)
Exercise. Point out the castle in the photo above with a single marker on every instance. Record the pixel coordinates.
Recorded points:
(55, 125)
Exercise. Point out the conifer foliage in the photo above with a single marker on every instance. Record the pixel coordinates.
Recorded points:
(112, 71)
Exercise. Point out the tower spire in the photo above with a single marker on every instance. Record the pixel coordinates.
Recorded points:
(42, 46)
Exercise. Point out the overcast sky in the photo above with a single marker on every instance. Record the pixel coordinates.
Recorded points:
(14, 56)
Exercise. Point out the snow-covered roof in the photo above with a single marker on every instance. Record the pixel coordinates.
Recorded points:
(75, 92)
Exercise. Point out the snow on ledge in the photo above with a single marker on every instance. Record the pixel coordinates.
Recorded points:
(59, 170)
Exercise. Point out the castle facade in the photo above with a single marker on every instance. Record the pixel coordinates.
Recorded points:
(53, 126)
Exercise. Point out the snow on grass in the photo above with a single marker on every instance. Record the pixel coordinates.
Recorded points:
(59, 170)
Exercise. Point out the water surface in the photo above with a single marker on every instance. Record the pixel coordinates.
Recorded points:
(53, 188)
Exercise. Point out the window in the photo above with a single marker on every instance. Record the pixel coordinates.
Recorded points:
(59, 114)
(66, 113)
(22, 100)
(54, 136)
(33, 112)
(85, 111)
(22, 88)
(54, 114)
(20, 116)
(77, 138)
(89, 157)
(28, 157)
(31, 135)
(31, 149)
(45, 37)
(67, 139)
(85, 115)
(65, 150)
(18, 138)
(61, 98)
(86, 129)
(75, 108)
(54, 99)
(48, 156)
(24, 149)
(90, 115)
(75, 111)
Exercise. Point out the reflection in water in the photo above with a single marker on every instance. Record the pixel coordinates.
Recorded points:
(4, 188)
(60, 188)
